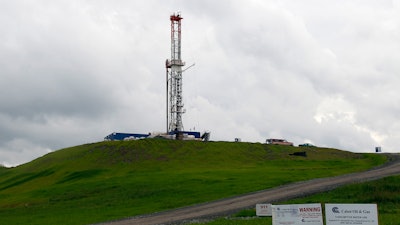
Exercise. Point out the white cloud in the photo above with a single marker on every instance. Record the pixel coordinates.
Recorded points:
(14, 151)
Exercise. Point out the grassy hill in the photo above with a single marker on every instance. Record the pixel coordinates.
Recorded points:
(110, 180)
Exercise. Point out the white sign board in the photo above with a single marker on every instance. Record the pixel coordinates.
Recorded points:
(263, 210)
(360, 214)
(298, 214)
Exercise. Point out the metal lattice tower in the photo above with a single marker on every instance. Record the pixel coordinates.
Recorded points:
(174, 78)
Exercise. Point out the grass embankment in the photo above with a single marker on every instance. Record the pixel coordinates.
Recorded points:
(384, 192)
(111, 180)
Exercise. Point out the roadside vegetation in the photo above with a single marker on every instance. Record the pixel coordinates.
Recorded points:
(113, 180)
(384, 192)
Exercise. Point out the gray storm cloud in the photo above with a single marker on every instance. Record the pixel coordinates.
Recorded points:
(324, 72)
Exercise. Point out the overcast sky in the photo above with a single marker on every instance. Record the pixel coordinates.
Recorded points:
(319, 71)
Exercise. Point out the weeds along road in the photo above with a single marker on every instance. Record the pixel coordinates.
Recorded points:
(231, 205)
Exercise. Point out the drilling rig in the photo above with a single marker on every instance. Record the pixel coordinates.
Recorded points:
(174, 100)
(174, 72)
(174, 78)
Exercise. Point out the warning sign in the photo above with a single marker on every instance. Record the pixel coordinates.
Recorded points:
(310, 214)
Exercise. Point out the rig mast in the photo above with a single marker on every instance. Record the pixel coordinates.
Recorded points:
(174, 78)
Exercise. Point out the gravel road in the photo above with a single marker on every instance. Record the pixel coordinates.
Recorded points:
(231, 205)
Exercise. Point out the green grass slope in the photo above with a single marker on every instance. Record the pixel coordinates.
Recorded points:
(110, 180)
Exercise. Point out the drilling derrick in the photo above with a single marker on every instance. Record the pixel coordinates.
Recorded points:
(174, 78)
(174, 101)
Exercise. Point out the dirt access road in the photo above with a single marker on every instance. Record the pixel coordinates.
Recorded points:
(231, 205)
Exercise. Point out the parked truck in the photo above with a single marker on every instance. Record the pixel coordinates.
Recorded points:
(274, 141)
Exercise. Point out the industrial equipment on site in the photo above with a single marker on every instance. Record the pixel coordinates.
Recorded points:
(174, 95)
(174, 78)
(275, 141)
